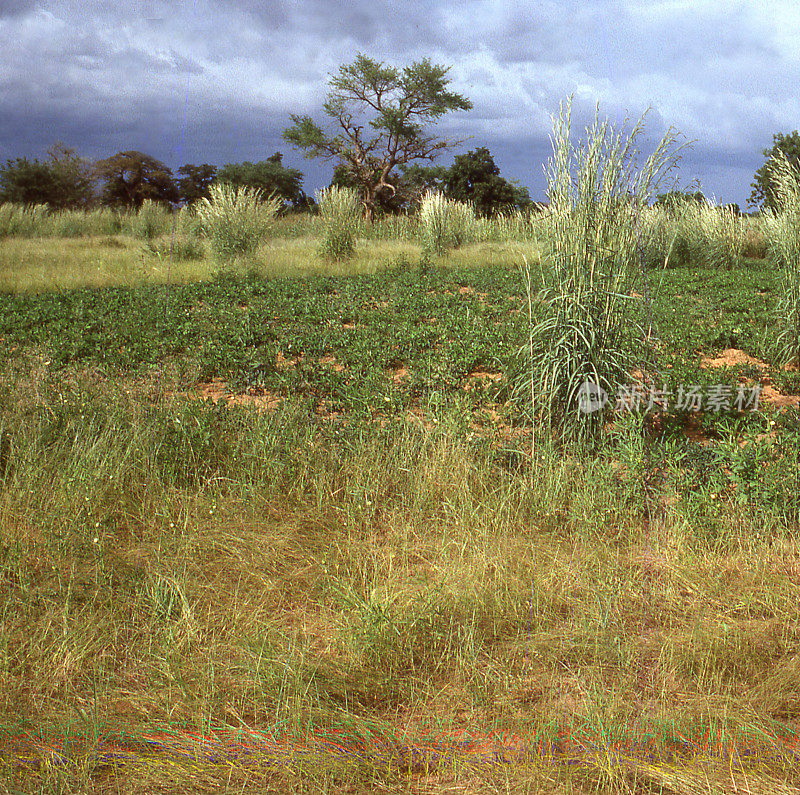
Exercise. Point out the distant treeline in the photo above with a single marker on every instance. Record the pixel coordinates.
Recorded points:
(66, 181)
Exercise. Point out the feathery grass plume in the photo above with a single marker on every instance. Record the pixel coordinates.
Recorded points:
(152, 220)
(444, 223)
(727, 244)
(514, 226)
(236, 220)
(657, 233)
(339, 210)
(783, 230)
(188, 222)
(588, 333)
(693, 234)
(713, 235)
(23, 221)
(754, 241)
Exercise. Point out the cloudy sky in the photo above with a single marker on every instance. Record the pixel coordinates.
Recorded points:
(196, 81)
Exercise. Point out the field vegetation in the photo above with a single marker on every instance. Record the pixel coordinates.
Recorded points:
(264, 476)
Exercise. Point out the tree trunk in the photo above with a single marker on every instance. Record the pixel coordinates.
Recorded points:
(369, 206)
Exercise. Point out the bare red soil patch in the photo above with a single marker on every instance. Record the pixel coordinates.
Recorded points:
(398, 373)
(769, 396)
(733, 357)
(217, 390)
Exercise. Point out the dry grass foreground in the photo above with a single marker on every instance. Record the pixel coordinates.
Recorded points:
(386, 579)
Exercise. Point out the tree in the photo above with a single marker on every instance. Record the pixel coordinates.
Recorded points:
(63, 182)
(475, 178)
(763, 194)
(674, 201)
(379, 118)
(409, 186)
(195, 183)
(24, 181)
(131, 177)
(269, 176)
(74, 179)
(416, 180)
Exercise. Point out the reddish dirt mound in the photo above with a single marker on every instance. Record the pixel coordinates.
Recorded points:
(479, 377)
(733, 357)
(398, 373)
(331, 360)
(217, 390)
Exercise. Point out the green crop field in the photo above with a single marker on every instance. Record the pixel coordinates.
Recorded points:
(291, 489)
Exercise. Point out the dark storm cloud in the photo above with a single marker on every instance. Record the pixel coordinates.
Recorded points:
(104, 77)
(17, 8)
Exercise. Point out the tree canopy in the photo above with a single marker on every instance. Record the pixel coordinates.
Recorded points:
(472, 177)
(64, 181)
(379, 119)
(131, 177)
(195, 182)
(269, 176)
(475, 178)
(763, 195)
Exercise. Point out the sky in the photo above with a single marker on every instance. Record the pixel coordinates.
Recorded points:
(205, 81)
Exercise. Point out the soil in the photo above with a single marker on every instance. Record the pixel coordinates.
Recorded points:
(733, 357)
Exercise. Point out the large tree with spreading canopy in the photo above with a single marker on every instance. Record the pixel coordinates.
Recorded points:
(379, 119)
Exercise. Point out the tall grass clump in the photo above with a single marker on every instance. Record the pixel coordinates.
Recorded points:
(444, 223)
(714, 235)
(516, 226)
(393, 227)
(339, 211)
(73, 223)
(19, 221)
(588, 331)
(783, 230)
(151, 221)
(657, 233)
(236, 220)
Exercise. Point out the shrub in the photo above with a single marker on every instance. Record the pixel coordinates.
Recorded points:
(235, 220)
(339, 210)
